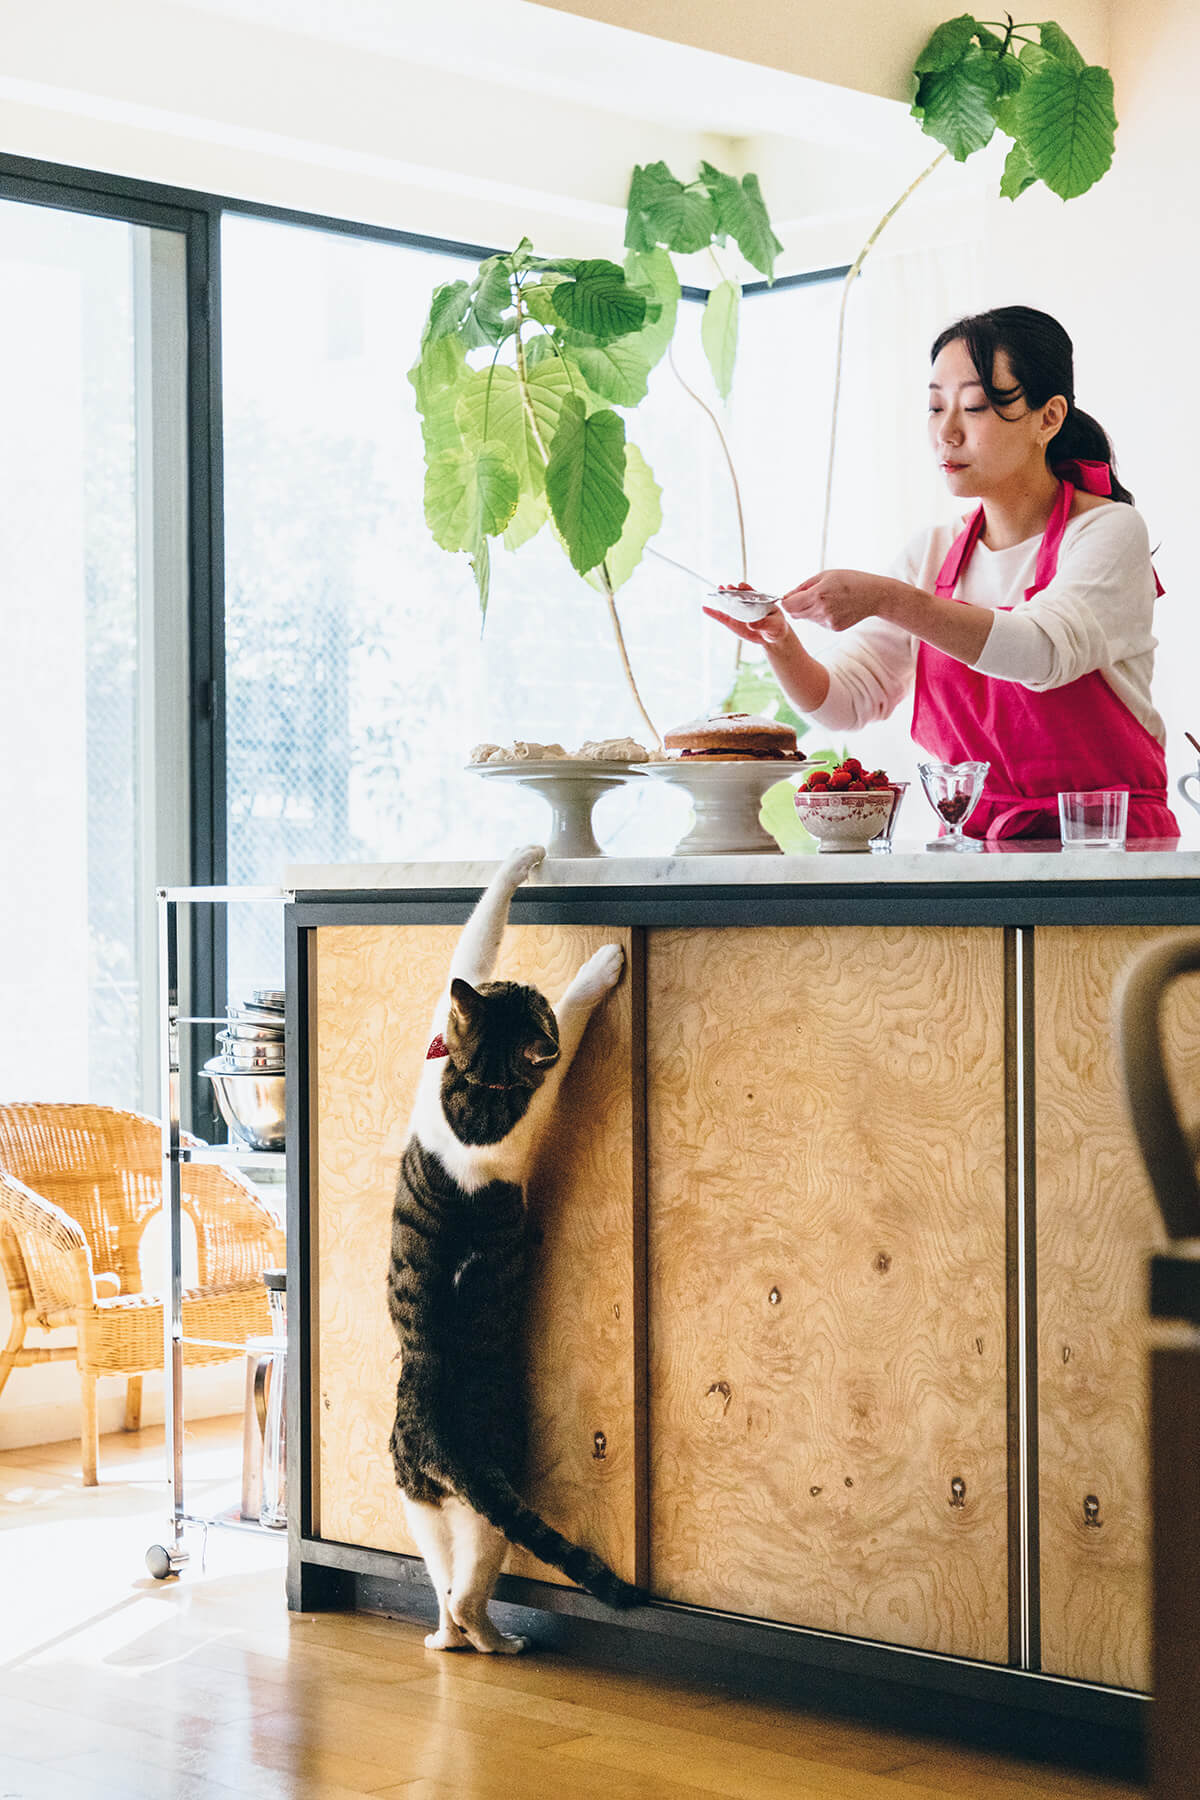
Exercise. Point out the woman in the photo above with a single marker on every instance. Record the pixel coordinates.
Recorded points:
(1026, 634)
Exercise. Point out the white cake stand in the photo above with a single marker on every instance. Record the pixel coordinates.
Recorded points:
(570, 789)
(726, 797)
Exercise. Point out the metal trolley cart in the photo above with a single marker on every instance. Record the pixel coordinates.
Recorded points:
(170, 1557)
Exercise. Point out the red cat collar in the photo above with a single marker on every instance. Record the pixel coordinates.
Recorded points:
(438, 1049)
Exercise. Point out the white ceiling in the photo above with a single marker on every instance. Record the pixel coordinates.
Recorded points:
(528, 48)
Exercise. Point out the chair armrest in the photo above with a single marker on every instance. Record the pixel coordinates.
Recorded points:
(237, 1234)
(53, 1249)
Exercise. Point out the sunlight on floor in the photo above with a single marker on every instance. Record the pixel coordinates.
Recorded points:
(72, 1559)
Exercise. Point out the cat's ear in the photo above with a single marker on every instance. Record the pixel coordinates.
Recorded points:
(465, 1003)
(541, 1052)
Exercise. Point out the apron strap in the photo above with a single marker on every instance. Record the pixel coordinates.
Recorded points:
(1052, 537)
(1030, 808)
(959, 554)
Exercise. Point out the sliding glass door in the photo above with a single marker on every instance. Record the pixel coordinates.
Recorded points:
(93, 606)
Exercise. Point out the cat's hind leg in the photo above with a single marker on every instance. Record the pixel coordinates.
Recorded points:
(432, 1534)
(478, 1552)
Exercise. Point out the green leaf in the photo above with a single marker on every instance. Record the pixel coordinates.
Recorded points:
(585, 482)
(489, 299)
(643, 519)
(1018, 174)
(1010, 77)
(435, 378)
(681, 218)
(470, 493)
(481, 569)
(948, 45)
(598, 299)
(1055, 41)
(957, 106)
(439, 366)
(532, 512)
(489, 408)
(637, 233)
(1067, 126)
(652, 274)
(741, 214)
(618, 371)
(777, 814)
(719, 332)
(549, 386)
(446, 310)
(1033, 58)
(538, 299)
(439, 424)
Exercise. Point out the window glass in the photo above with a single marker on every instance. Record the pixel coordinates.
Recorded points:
(359, 671)
(70, 909)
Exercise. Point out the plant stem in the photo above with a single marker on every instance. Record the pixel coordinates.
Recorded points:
(605, 577)
(613, 614)
(851, 277)
(737, 492)
(526, 402)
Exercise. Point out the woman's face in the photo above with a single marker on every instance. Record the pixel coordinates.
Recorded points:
(980, 451)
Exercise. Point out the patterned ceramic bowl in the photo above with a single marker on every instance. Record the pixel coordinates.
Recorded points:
(843, 820)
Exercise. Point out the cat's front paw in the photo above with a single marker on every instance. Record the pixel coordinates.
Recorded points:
(603, 970)
(520, 864)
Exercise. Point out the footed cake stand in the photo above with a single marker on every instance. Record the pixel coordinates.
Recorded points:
(570, 789)
(726, 797)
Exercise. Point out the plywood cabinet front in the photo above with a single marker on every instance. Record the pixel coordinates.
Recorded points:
(1097, 1224)
(373, 993)
(826, 1194)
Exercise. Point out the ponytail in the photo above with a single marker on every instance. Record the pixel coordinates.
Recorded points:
(1083, 439)
(1042, 360)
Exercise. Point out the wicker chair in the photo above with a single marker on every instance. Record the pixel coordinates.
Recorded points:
(78, 1184)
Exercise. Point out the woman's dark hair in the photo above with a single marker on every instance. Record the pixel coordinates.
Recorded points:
(1042, 360)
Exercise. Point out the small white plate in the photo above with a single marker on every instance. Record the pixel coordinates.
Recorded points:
(749, 607)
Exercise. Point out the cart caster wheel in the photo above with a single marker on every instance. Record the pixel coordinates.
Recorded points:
(162, 1562)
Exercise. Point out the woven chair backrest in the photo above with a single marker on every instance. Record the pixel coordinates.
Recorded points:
(103, 1167)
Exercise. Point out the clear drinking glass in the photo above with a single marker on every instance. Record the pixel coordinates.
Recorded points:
(883, 843)
(1094, 819)
(953, 790)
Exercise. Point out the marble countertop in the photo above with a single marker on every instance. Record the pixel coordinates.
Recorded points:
(1028, 861)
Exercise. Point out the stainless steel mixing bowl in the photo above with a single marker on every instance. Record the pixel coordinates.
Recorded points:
(250, 1054)
(251, 1103)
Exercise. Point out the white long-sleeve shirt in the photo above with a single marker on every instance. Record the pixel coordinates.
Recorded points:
(1097, 613)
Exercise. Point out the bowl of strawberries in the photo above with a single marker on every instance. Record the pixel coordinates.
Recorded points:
(845, 807)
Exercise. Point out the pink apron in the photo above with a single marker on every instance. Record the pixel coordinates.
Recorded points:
(1077, 736)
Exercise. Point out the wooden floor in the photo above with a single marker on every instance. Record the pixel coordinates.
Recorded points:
(114, 1686)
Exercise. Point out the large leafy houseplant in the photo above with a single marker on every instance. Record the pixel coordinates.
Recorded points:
(525, 375)
(974, 80)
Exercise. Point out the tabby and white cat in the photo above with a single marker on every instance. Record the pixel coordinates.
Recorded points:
(456, 1275)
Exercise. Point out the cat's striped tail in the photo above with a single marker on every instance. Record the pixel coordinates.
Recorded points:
(490, 1493)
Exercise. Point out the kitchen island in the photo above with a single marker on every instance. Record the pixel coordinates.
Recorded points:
(837, 1335)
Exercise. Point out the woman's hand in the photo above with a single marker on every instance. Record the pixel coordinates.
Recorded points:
(838, 598)
(767, 631)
